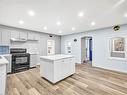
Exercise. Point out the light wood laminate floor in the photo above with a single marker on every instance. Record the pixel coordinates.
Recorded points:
(86, 81)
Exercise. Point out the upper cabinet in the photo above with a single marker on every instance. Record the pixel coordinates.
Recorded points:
(4, 37)
(23, 35)
(33, 36)
(15, 34)
(19, 35)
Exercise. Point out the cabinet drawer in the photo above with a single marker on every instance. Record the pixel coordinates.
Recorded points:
(2, 70)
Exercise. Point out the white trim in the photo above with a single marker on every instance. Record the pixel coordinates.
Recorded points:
(115, 58)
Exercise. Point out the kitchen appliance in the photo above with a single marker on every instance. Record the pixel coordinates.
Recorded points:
(20, 59)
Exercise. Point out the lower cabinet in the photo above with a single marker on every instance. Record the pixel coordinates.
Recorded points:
(64, 68)
(8, 57)
(2, 79)
(56, 70)
(33, 60)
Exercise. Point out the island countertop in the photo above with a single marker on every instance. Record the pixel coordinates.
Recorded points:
(56, 57)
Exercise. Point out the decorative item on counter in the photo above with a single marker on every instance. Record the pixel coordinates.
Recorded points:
(116, 28)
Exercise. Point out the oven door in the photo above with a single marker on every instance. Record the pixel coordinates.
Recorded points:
(20, 61)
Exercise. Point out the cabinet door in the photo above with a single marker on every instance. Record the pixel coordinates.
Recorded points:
(36, 36)
(23, 35)
(2, 79)
(6, 37)
(66, 70)
(58, 70)
(72, 65)
(33, 60)
(30, 36)
(15, 34)
(0, 37)
(46, 70)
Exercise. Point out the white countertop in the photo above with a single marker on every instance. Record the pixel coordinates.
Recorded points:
(3, 60)
(56, 57)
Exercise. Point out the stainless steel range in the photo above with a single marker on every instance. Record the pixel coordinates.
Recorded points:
(20, 59)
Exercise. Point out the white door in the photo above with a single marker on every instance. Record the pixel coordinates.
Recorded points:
(50, 47)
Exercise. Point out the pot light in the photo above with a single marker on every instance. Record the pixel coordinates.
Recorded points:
(93, 23)
(60, 31)
(45, 28)
(125, 15)
(58, 23)
(21, 22)
(31, 13)
(73, 28)
(81, 14)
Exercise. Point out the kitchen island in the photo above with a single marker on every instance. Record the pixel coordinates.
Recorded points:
(3, 72)
(57, 67)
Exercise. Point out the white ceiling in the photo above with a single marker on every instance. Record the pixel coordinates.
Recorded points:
(104, 13)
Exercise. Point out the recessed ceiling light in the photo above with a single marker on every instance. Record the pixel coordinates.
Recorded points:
(21, 22)
(81, 14)
(58, 23)
(73, 28)
(31, 13)
(93, 23)
(125, 15)
(60, 31)
(45, 28)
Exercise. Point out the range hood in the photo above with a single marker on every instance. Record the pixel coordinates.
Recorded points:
(18, 40)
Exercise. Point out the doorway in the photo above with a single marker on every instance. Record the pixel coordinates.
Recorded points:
(86, 50)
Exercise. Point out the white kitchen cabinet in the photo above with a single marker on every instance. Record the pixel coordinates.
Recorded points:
(31, 36)
(15, 34)
(8, 57)
(0, 37)
(18, 34)
(3, 73)
(4, 37)
(2, 79)
(36, 36)
(23, 35)
(33, 60)
(57, 67)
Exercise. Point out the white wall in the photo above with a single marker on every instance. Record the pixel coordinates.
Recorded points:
(100, 47)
